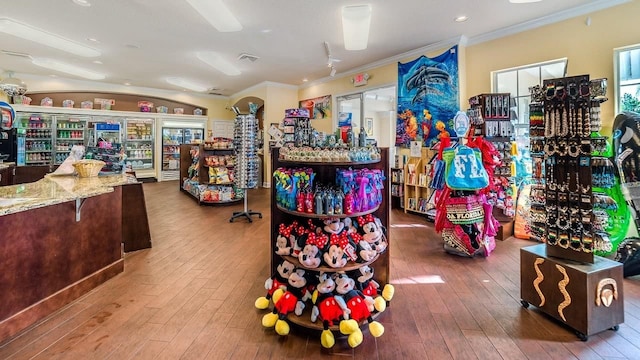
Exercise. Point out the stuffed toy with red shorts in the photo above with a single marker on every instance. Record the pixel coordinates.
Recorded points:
(292, 300)
(328, 308)
(277, 281)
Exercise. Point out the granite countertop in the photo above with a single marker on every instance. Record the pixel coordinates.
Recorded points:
(55, 190)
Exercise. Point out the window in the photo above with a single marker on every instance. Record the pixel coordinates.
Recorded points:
(517, 81)
(627, 68)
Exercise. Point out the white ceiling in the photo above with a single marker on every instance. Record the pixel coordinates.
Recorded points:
(144, 41)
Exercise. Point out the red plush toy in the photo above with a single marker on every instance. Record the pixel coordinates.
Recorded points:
(357, 309)
(277, 281)
(328, 308)
(292, 300)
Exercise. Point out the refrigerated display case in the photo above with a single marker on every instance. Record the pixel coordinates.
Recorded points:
(138, 144)
(172, 138)
(36, 144)
(70, 130)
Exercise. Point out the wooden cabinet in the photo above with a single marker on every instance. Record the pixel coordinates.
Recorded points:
(586, 297)
(6, 175)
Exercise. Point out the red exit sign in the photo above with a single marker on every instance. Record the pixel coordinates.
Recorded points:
(360, 79)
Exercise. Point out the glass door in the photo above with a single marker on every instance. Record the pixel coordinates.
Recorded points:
(139, 143)
(171, 140)
(193, 136)
(70, 131)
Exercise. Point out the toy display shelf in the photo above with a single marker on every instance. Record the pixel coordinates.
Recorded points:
(203, 174)
(328, 269)
(324, 216)
(304, 320)
(326, 174)
(334, 163)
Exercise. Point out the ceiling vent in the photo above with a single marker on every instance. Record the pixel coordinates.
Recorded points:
(214, 91)
(245, 56)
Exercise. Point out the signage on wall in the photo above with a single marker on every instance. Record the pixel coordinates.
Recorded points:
(360, 79)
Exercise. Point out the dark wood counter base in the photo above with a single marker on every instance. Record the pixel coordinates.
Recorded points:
(50, 259)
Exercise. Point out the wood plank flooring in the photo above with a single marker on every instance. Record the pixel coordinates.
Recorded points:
(191, 297)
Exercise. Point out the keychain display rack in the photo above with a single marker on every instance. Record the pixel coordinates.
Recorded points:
(562, 144)
(245, 141)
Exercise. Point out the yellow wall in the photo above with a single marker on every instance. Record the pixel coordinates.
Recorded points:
(589, 50)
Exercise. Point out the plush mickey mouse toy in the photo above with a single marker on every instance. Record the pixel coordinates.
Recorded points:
(328, 308)
(292, 300)
(277, 281)
(285, 240)
(371, 288)
(357, 309)
(363, 249)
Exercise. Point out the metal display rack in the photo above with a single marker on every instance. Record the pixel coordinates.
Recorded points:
(245, 140)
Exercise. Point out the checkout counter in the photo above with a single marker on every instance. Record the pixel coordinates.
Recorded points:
(62, 236)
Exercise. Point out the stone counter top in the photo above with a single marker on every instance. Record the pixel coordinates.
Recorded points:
(55, 190)
(5, 165)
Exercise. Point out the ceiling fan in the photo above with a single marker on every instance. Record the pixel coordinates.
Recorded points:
(330, 59)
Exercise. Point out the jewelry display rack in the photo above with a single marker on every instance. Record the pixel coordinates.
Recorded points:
(563, 277)
(245, 139)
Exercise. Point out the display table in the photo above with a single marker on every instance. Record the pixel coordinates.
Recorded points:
(61, 237)
(586, 297)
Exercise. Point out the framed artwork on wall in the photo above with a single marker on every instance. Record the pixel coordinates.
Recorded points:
(368, 126)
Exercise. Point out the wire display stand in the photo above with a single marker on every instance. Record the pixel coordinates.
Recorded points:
(245, 140)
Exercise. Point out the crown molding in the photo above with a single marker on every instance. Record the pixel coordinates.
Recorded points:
(546, 20)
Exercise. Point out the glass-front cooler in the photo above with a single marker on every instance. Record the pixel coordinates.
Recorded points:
(37, 146)
(172, 138)
(138, 144)
(70, 130)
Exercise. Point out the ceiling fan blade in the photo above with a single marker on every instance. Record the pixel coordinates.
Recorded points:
(327, 49)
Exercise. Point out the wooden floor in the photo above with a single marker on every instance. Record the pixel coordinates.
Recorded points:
(191, 297)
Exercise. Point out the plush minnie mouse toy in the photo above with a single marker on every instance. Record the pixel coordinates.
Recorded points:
(373, 232)
(314, 246)
(292, 300)
(277, 281)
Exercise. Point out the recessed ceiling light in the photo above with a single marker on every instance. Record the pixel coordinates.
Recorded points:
(461, 18)
(523, 1)
(93, 40)
(356, 21)
(127, 83)
(266, 31)
(67, 68)
(186, 84)
(27, 32)
(82, 2)
(305, 80)
(216, 61)
(217, 14)
(97, 62)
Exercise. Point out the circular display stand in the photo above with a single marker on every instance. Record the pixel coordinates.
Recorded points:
(324, 216)
(350, 265)
(330, 163)
(304, 321)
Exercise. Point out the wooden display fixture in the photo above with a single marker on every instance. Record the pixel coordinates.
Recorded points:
(586, 297)
(203, 171)
(326, 172)
(397, 188)
(416, 183)
(323, 216)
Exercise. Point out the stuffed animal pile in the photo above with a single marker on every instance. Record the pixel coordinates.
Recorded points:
(335, 242)
(336, 298)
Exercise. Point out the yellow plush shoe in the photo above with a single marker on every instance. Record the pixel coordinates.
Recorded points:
(327, 339)
(282, 327)
(348, 326)
(262, 303)
(277, 295)
(380, 304)
(269, 320)
(388, 291)
(376, 329)
(355, 339)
